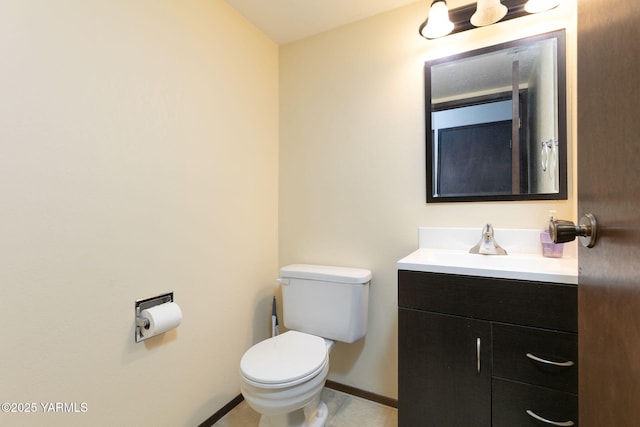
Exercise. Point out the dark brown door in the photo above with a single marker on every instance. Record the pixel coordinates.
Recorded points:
(609, 187)
(475, 159)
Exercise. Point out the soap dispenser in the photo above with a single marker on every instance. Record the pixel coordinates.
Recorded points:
(550, 249)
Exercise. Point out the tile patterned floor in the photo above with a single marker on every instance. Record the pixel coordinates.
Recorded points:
(344, 411)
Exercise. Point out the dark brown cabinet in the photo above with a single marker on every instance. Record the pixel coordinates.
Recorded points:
(477, 351)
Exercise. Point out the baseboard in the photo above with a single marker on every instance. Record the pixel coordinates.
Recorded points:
(330, 384)
(222, 412)
(362, 393)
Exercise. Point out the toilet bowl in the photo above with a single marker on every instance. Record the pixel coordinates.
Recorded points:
(282, 377)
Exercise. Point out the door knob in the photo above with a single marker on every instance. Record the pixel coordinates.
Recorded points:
(562, 231)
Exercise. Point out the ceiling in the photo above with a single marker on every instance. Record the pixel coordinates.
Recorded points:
(285, 21)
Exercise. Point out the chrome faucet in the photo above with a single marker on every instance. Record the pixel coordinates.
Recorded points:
(487, 244)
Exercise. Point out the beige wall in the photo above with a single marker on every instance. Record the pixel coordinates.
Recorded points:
(352, 168)
(138, 154)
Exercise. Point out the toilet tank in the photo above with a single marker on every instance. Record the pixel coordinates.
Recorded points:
(327, 301)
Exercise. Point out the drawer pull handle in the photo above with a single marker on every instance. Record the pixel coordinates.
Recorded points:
(544, 420)
(550, 362)
(478, 353)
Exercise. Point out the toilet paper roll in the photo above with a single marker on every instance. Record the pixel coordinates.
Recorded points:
(162, 318)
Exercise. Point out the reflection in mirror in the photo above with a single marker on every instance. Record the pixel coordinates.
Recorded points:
(497, 125)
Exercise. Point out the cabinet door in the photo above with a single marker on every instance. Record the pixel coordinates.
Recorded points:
(444, 370)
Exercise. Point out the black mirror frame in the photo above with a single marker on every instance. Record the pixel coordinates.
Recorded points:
(562, 124)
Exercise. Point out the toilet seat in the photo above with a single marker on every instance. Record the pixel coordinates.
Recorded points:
(284, 360)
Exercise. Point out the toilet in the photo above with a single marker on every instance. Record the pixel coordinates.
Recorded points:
(282, 377)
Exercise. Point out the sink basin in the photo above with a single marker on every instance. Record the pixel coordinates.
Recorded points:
(517, 266)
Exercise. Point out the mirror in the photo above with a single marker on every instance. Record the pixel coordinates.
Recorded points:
(496, 129)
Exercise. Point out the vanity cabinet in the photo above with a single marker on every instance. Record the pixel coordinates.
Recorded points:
(477, 351)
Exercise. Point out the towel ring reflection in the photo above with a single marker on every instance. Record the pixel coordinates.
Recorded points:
(547, 149)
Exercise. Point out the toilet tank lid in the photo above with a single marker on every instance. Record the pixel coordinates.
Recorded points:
(326, 273)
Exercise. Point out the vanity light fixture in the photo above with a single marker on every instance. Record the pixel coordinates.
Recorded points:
(535, 6)
(442, 21)
(488, 12)
(438, 23)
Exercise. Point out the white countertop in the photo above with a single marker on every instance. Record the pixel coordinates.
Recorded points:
(456, 259)
(523, 266)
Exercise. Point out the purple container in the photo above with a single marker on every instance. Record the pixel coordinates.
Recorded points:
(550, 249)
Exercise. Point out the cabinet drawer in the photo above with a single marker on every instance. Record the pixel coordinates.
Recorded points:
(515, 349)
(521, 302)
(512, 401)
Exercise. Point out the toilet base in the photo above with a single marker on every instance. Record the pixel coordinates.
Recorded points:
(314, 414)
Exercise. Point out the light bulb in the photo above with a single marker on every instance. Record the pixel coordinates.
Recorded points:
(438, 23)
(488, 12)
(535, 6)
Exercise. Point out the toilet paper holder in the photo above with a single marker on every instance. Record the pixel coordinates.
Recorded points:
(146, 303)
